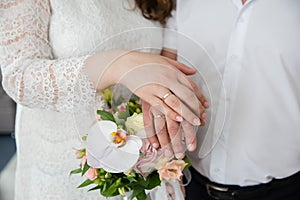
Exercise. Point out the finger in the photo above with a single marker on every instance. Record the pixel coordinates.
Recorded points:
(185, 91)
(173, 128)
(187, 96)
(198, 93)
(149, 126)
(156, 103)
(173, 102)
(161, 130)
(189, 135)
(182, 67)
(203, 102)
(188, 82)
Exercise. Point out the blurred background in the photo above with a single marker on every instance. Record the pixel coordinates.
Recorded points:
(7, 145)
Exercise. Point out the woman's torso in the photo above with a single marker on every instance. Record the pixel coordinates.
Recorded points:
(46, 140)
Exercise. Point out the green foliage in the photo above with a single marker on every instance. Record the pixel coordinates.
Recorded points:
(85, 183)
(187, 160)
(85, 168)
(113, 184)
(76, 171)
(106, 115)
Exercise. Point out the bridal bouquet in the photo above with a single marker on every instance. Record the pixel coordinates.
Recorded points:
(117, 159)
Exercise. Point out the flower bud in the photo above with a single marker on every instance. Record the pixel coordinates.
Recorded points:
(122, 191)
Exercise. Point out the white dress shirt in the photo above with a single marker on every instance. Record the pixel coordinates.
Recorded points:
(249, 65)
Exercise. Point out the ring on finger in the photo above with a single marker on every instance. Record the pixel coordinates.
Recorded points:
(159, 116)
(166, 96)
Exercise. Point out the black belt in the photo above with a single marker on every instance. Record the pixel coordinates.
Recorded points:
(232, 192)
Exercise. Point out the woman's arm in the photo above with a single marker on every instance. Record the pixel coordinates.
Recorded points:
(31, 75)
(34, 78)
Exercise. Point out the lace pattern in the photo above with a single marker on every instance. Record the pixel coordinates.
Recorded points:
(31, 75)
(43, 47)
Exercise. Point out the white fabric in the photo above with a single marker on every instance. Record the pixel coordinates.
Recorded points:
(7, 180)
(255, 49)
(43, 46)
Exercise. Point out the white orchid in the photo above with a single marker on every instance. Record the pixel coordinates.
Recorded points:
(111, 149)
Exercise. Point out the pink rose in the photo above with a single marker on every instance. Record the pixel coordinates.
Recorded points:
(91, 173)
(151, 159)
(171, 171)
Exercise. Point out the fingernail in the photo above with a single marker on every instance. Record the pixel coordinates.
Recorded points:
(206, 104)
(179, 155)
(191, 147)
(179, 118)
(155, 145)
(204, 116)
(197, 122)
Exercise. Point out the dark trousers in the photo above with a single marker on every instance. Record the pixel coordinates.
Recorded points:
(196, 191)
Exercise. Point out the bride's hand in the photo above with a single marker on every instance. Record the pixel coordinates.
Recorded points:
(159, 81)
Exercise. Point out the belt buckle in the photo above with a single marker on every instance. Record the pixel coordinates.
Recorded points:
(210, 188)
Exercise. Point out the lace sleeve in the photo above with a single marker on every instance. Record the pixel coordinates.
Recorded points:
(31, 75)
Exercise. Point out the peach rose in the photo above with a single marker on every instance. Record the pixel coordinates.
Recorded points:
(91, 173)
(171, 171)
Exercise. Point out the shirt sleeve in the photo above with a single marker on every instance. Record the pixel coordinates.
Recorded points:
(31, 74)
(170, 32)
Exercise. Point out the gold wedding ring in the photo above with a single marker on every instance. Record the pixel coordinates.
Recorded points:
(159, 116)
(165, 96)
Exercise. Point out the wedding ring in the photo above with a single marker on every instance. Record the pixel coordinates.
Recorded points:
(165, 96)
(159, 116)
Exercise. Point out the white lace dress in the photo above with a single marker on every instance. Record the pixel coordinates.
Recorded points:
(43, 46)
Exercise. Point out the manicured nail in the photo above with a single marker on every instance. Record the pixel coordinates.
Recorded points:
(179, 118)
(179, 155)
(191, 147)
(197, 122)
(155, 145)
(206, 104)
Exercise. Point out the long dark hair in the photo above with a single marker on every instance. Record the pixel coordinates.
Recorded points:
(157, 10)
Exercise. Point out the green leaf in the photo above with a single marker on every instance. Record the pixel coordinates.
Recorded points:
(110, 191)
(187, 160)
(142, 196)
(76, 171)
(85, 183)
(95, 188)
(139, 193)
(85, 168)
(154, 181)
(131, 179)
(106, 115)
